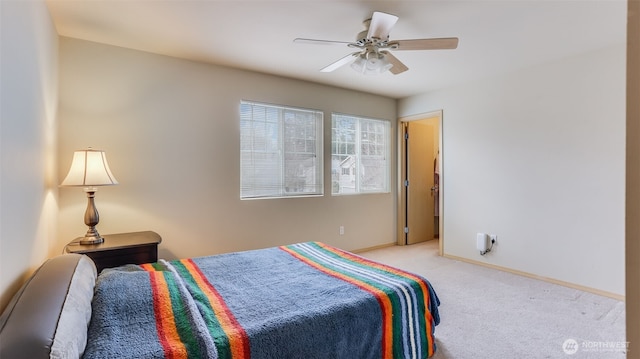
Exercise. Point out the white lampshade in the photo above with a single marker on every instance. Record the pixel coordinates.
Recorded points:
(89, 168)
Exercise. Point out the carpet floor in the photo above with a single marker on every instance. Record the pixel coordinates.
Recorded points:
(487, 313)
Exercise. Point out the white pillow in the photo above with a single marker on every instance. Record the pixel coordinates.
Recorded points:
(70, 339)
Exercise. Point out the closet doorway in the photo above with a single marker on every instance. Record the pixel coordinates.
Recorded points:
(420, 182)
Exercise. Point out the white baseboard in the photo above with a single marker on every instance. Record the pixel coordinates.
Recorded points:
(545, 279)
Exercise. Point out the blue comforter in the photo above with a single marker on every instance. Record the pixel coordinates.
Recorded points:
(307, 300)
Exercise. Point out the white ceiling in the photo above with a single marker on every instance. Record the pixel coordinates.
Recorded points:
(495, 36)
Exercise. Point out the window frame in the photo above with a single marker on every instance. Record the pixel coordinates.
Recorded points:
(283, 149)
(357, 145)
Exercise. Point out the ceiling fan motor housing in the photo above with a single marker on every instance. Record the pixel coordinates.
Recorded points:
(362, 35)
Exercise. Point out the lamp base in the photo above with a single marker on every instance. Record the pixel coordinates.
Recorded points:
(92, 237)
(91, 240)
(91, 219)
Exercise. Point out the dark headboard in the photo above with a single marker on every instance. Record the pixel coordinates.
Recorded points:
(29, 324)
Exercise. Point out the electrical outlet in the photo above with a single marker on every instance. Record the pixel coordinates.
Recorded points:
(341, 230)
(493, 237)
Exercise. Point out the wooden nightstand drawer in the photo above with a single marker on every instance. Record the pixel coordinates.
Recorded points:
(120, 249)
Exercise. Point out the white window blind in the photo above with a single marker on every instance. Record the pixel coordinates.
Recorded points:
(280, 151)
(360, 151)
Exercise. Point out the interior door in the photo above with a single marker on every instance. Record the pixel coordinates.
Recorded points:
(419, 175)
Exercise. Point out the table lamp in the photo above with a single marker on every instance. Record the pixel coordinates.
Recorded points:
(89, 169)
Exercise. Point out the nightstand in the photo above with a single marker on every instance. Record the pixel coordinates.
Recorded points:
(119, 249)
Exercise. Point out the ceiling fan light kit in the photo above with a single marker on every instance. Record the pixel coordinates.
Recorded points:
(371, 63)
(373, 56)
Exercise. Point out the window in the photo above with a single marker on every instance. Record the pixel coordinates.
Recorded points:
(359, 155)
(280, 151)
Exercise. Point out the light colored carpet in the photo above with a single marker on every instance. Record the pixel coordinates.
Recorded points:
(486, 313)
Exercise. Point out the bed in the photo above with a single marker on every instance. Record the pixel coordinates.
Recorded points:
(306, 300)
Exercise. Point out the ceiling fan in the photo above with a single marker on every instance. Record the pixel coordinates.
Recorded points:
(373, 44)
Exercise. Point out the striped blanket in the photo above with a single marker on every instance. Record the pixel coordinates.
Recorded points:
(306, 300)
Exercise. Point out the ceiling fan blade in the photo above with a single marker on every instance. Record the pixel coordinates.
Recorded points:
(445, 43)
(319, 42)
(381, 25)
(398, 66)
(343, 61)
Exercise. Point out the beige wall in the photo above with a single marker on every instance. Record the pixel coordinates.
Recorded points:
(171, 131)
(633, 180)
(537, 158)
(28, 192)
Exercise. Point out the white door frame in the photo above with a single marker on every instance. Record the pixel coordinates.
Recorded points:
(401, 210)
